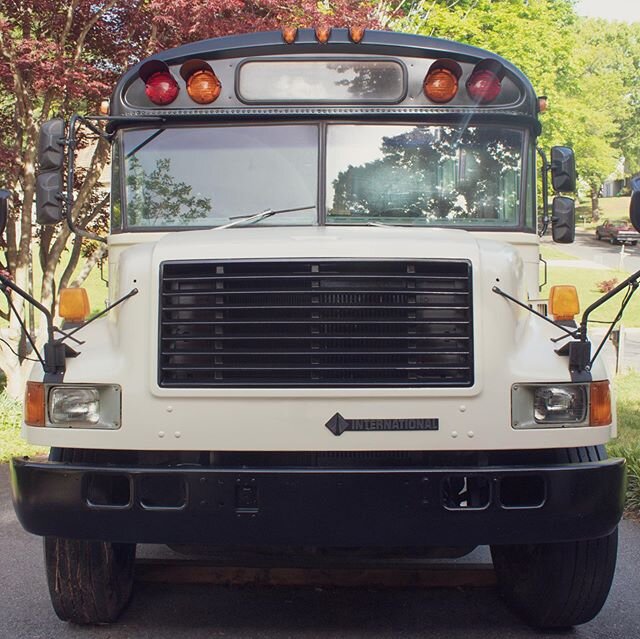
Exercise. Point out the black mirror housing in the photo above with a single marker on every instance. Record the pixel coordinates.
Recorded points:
(563, 220)
(4, 209)
(51, 145)
(49, 209)
(563, 169)
(634, 210)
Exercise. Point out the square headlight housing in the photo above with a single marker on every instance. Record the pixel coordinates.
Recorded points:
(549, 405)
(96, 406)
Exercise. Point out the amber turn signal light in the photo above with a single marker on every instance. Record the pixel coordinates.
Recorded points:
(74, 304)
(600, 408)
(34, 405)
(563, 302)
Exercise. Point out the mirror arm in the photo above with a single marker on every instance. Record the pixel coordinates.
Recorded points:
(71, 143)
(545, 191)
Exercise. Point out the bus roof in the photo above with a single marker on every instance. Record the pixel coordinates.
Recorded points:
(126, 103)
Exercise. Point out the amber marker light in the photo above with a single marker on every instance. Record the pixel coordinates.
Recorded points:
(34, 405)
(441, 83)
(203, 86)
(563, 302)
(543, 103)
(356, 34)
(600, 405)
(289, 34)
(323, 34)
(74, 304)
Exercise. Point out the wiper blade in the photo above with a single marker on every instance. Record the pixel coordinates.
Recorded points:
(241, 220)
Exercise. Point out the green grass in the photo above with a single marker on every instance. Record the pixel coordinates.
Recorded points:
(611, 208)
(585, 281)
(550, 252)
(11, 443)
(627, 444)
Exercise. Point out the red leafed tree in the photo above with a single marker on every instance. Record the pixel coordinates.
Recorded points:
(61, 57)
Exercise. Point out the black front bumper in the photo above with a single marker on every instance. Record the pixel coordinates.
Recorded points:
(384, 507)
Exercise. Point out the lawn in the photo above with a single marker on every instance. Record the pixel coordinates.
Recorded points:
(628, 443)
(611, 208)
(550, 252)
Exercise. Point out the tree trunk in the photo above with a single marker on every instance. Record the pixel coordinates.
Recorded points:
(595, 202)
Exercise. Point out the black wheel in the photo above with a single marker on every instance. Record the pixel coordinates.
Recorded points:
(634, 242)
(90, 582)
(562, 584)
(612, 240)
(598, 236)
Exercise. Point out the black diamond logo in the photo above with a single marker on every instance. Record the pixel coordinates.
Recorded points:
(337, 424)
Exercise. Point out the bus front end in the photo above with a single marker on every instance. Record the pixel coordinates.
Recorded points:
(319, 353)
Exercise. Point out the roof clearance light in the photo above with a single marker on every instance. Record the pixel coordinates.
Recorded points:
(356, 34)
(161, 88)
(441, 82)
(203, 86)
(289, 34)
(485, 83)
(323, 34)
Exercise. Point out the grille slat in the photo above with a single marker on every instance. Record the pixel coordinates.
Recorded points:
(316, 324)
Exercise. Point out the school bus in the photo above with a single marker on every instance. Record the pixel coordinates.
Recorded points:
(325, 329)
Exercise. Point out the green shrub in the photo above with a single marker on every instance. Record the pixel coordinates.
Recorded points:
(11, 443)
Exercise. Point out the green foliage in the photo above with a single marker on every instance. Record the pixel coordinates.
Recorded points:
(588, 68)
(627, 444)
(11, 444)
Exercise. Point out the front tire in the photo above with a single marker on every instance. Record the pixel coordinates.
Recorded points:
(558, 585)
(90, 582)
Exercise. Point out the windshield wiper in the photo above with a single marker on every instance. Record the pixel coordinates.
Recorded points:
(241, 220)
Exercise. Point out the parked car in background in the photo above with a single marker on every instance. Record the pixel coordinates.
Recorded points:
(617, 232)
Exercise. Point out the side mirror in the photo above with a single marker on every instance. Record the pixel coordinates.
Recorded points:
(51, 145)
(49, 197)
(4, 209)
(563, 220)
(49, 183)
(563, 169)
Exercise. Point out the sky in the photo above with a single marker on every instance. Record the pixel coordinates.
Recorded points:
(627, 10)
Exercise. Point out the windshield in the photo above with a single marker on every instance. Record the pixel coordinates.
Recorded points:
(208, 176)
(395, 174)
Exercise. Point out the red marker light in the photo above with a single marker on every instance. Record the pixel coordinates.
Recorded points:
(161, 88)
(484, 86)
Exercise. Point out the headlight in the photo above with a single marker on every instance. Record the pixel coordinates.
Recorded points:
(558, 404)
(549, 405)
(74, 405)
(84, 406)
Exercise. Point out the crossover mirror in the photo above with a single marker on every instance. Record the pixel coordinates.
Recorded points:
(51, 145)
(49, 208)
(563, 220)
(563, 169)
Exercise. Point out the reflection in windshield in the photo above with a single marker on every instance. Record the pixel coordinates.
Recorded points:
(156, 198)
(423, 174)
